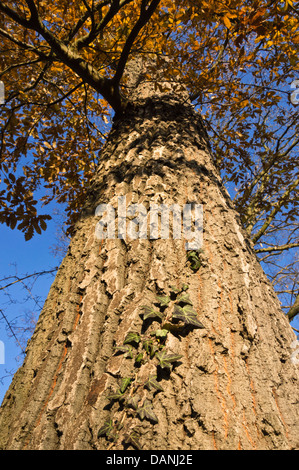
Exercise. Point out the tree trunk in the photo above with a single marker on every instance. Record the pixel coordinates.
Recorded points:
(230, 384)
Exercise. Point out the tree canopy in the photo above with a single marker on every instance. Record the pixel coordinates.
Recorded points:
(63, 65)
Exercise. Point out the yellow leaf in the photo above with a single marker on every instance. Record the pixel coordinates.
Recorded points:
(227, 22)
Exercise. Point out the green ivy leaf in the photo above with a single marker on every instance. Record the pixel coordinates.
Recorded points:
(163, 300)
(133, 439)
(129, 353)
(184, 299)
(152, 383)
(154, 349)
(193, 258)
(132, 337)
(161, 333)
(122, 349)
(146, 411)
(133, 401)
(149, 312)
(125, 382)
(166, 360)
(175, 290)
(147, 345)
(118, 395)
(187, 315)
(139, 358)
(105, 429)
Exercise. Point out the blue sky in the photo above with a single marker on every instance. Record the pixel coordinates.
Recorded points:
(27, 257)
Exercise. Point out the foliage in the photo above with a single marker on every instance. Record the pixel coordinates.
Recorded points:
(63, 67)
(134, 398)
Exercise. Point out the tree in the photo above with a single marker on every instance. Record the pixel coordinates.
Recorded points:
(149, 342)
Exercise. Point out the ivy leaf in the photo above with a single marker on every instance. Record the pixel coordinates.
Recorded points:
(133, 401)
(184, 299)
(193, 258)
(122, 349)
(133, 440)
(132, 337)
(147, 345)
(105, 429)
(165, 360)
(118, 395)
(129, 354)
(187, 315)
(152, 383)
(139, 358)
(149, 312)
(125, 382)
(146, 411)
(160, 333)
(163, 300)
(175, 290)
(154, 349)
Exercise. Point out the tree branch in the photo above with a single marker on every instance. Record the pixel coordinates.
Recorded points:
(21, 279)
(275, 210)
(277, 248)
(11, 330)
(33, 11)
(67, 54)
(14, 15)
(24, 45)
(145, 15)
(294, 310)
(96, 30)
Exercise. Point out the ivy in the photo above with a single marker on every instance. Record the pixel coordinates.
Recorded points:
(163, 301)
(160, 333)
(194, 260)
(133, 401)
(146, 411)
(148, 347)
(132, 338)
(124, 384)
(152, 384)
(105, 429)
(184, 299)
(133, 439)
(118, 395)
(187, 315)
(166, 360)
(149, 312)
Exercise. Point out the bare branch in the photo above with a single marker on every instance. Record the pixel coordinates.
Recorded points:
(27, 277)
(294, 310)
(11, 329)
(277, 248)
(276, 208)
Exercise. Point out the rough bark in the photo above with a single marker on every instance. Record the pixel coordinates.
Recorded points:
(235, 386)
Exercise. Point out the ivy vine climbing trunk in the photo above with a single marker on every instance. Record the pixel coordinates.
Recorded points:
(143, 344)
